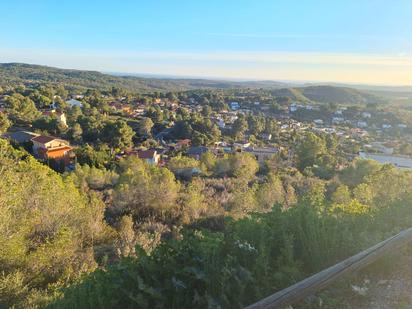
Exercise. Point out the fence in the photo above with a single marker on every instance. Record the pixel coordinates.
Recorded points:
(308, 286)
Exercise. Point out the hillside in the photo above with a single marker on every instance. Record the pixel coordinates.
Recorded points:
(28, 73)
(79, 79)
(325, 94)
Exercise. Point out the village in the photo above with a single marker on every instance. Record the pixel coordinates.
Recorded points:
(368, 131)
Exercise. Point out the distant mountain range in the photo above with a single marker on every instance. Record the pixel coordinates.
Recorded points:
(81, 79)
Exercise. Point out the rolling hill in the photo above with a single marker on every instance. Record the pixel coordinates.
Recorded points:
(325, 94)
(80, 79)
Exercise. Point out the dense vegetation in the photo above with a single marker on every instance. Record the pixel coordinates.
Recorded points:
(208, 255)
(221, 230)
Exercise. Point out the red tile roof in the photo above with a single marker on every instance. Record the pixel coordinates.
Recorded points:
(43, 139)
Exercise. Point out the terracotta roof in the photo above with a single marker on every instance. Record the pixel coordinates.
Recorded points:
(146, 154)
(59, 149)
(43, 139)
(184, 142)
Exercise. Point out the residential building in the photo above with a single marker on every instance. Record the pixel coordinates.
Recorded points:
(196, 152)
(50, 147)
(61, 117)
(262, 153)
(74, 102)
(234, 106)
(150, 156)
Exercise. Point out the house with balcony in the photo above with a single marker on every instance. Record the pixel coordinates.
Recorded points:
(50, 147)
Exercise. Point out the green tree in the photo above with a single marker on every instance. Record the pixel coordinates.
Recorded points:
(76, 132)
(48, 230)
(145, 190)
(309, 149)
(239, 126)
(341, 195)
(118, 134)
(145, 126)
(5, 123)
(270, 193)
(21, 109)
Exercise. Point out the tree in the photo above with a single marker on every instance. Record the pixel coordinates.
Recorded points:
(239, 126)
(4, 122)
(22, 109)
(118, 134)
(206, 111)
(341, 195)
(73, 114)
(145, 126)
(309, 149)
(256, 124)
(47, 235)
(145, 190)
(76, 132)
(243, 166)
(357, 173)
(270, 193)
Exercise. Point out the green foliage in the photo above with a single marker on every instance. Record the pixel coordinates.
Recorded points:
(247, 260)
(145, 189)
(145, 126)
(356, 173)
(5, 123)
(240, 165)
(118, 134)
(21, 109)
(47, 228)
(309, 149)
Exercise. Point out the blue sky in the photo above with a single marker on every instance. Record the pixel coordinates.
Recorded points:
(363, 41)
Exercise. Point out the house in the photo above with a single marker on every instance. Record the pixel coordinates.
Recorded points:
(221, 123)
(150, 156)
(239, 145)
(61, 117)
(266, 136)
(50, 147)
(183, 143)
(293, 108)
(318, 121)
(262, 153)
(121, 107)
(196, 152)
(234, 106)
(337, 120)
(74, 102)
(366, 115)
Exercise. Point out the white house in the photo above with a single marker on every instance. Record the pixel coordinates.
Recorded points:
(234, 106)
(73, 102)
(338, 120)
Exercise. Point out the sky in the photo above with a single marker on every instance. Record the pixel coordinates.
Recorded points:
(351, 41)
